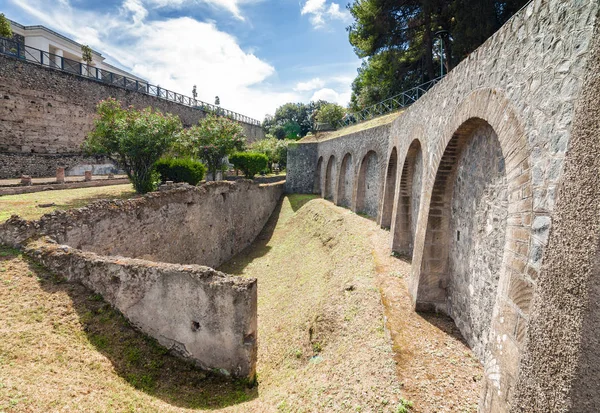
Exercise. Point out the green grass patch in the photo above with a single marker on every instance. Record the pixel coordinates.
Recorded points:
(27, 205)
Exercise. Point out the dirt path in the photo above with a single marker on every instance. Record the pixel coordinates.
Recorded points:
(438, 371)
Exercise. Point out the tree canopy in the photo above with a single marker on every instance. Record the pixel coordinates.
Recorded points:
(400, 40)
(292, 120)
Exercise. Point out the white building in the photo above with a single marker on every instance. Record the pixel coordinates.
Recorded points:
(55, 50)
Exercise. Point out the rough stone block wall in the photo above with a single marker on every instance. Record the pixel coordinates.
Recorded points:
(196, 312)
(476, 236)
(13, 165)
(203, 225)
(302, 158)
(43, 110)
(525, 83)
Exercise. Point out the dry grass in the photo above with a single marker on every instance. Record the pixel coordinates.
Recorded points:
(322, 272)
(27, 205)
(373, 123)
(322, 342)
(62, 348)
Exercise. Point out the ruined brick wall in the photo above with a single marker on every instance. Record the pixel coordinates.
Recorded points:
(48, 111)
(523, 83)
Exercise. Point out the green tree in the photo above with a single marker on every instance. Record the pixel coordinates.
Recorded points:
(331, 113)
(292, 120)
(397, 40)
(134, 139)
(212, 140)
(86, 54)
(5, 29)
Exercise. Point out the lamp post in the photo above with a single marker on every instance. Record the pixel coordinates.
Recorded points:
(441, 34)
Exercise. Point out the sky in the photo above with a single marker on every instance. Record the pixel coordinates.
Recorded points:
(254, 54)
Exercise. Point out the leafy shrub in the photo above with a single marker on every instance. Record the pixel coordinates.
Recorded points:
(275, 149)
(212, 140)
(180, 170)
(134, 139)
(250, 163)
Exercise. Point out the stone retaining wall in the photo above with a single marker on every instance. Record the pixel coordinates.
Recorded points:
(47, 111)
(37, 165)
(489, 144)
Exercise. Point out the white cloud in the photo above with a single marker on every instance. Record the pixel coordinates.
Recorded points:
(312, 84)
(330, 95)
(176, 53)
(233, 6)
(320, 11)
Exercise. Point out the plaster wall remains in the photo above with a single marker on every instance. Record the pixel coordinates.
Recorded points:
(493, 137)
(47, 111)
(132, 253)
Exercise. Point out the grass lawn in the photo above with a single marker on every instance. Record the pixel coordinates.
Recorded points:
(27, 205)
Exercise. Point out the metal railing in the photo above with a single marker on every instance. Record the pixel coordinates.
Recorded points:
(9, 47)
(396, 102)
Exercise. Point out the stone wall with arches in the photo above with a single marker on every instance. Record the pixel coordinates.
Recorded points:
(466, 179)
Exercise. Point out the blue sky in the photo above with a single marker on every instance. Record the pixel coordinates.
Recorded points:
(254, 54)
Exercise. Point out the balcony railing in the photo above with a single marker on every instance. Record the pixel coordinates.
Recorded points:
(15, 49)
(392, 104)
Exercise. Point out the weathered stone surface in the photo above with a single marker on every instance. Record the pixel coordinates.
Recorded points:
(203, 225)
(37, 165)
(46, 111)
(523, 86)
(197, 312)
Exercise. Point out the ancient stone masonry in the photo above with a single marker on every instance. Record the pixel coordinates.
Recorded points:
(150, 257)
(466, 179)
(46, 111)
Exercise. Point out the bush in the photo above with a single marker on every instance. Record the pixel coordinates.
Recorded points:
(212, 140)
(180, 170)
(275, 149)
(250, 163)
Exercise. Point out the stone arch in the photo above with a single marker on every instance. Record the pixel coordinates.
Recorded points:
(330, 179)
(367, 185)
(345, 182)
(317, 183)
(389, 189)
(409, 198)
(519, 263)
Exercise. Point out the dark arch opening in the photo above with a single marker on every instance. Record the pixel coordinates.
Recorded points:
(317, 183)
(367, 196)
(345, 182)
(409, 201)
(330, 178)
(390, 189)
(466, 230)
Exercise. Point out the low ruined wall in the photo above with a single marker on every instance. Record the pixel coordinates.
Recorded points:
(43, 110)
(203, 225)
(197, 312)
